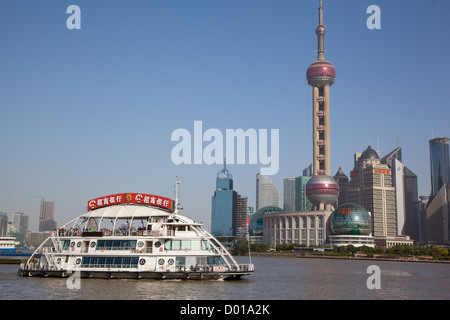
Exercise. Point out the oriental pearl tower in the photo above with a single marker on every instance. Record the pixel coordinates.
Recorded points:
(322, 190)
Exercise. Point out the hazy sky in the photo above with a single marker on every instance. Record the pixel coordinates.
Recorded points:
(90, 112)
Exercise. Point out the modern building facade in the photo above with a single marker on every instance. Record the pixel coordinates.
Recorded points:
(342, 181)
(439, 164)
(289, 194)
(266, 192)
(371, 187)
(224, 205)
(438, 207)
(307, 228)
(3, 224)
(47, 220)
(294, 194)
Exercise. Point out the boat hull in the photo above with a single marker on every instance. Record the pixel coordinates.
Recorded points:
(137, 275)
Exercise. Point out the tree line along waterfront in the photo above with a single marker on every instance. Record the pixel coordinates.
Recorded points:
(241, 247)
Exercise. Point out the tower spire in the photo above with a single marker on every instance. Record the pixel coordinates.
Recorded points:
(320, 32)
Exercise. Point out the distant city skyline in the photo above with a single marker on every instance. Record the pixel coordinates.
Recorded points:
(90, 112)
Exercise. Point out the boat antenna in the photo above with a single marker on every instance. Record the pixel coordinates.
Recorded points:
(177, 183)
(249, 252)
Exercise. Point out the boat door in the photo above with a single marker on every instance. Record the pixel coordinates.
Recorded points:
(166, 264)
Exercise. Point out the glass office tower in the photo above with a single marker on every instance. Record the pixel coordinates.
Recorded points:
(440, 164)
(224, 205)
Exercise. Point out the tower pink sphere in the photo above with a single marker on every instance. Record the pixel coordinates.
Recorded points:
(320, 73)
(322, 189)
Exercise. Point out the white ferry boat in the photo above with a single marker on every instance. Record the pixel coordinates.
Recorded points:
(8, 245)
(133, 235)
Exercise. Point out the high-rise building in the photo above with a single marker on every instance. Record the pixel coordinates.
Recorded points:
(289, 194)
(371, 187)
(406, 194)
(242, 216)
(342, 180)
(266, 192)
(294, 194)
(301, 200)
(47, 220)
(3, 224)
(438, 207)
(224, 205)
(439, 164)
(20, 222)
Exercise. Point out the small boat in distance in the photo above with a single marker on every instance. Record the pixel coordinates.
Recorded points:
(133, 235)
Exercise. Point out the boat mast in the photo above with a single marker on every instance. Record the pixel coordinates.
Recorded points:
(177, 183)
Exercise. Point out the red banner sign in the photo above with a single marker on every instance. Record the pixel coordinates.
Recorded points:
(135, 198)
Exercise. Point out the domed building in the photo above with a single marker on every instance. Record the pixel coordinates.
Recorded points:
(255, 227)
(351, 224)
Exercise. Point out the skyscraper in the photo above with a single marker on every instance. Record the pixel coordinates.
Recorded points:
(3, 224)
(438, 207)
(46, 217)
(224, 205)
(406, 194)
(439, 164)
(371, 187)
(266, 192)
(321, 75)
(342, 180)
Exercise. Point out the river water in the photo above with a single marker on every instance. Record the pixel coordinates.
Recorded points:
(275, 278)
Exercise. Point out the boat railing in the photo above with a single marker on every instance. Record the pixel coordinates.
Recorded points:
(108, 232)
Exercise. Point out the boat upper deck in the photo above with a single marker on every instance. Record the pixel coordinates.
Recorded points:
(128, 220)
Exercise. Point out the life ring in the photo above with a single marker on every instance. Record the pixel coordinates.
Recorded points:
(186, 250)
(139, 233)
(107, 233)
(79, 233)
(102, 249)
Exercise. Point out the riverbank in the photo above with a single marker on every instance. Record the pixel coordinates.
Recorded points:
(360, 257)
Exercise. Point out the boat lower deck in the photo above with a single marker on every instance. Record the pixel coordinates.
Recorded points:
(137, 275)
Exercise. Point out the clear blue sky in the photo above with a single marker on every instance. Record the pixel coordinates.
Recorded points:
(90, 112)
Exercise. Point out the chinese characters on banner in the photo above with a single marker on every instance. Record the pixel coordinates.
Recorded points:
(125, 198)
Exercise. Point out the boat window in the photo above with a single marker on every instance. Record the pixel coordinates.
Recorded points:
(101, 260)
(206, 245)
(196, 245)
(108, 244)
(100, 243)
(124, 243)
(126, 260)
(134, 261)
(181, 261)
(116, 243)
(176, 244)
(215, 260)
(117, 260)
(190, 261)
(65, 244)
(109, 260)
(131, 243)
(186, 244)
(93, 260)
(201, 261)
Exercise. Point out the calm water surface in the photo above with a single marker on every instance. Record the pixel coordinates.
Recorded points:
(275, 278)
